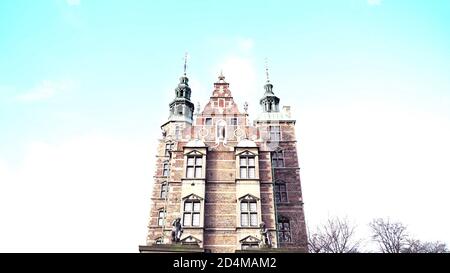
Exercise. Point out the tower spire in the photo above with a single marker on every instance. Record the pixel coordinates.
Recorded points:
(270, 102)
(185, 62)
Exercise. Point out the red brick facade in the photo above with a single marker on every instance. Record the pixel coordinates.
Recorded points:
(232, 179)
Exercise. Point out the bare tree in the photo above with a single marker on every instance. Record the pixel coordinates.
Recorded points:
(335, 236)
(391, 237)
(416, 246)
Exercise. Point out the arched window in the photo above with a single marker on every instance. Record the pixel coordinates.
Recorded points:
(164, 190)
(249, 213)
(284, 230)
(280, 192)
(191, 212)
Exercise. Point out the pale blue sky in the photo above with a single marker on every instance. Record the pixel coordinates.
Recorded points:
(368, 82)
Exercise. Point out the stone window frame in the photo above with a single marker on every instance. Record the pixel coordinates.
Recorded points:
(194, 152)
(248, 198)
(165, 168)
(278, 155)
(197, 166)
(284, 232)
(271, 132)
(164, 190)
(253, 151)
(192, 212)
(277, 189)
(247, 166)
(195, 199)
(168, 148)
(161, 217)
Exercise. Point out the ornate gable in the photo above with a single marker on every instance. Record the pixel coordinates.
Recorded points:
(249, 240)
(190, 240)
(248, 197)
(192, 197)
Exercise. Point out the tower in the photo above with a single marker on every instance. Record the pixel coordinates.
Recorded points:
(234, 186)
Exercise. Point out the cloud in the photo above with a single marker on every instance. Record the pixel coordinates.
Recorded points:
(44, 90)
(73, 2)
(376, 160)
(75, 195)
(374, 2)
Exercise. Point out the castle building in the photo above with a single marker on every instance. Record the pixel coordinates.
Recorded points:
(235, 186)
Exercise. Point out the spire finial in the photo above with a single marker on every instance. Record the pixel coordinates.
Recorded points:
(267, 70)
(221, 76)
(185, 62)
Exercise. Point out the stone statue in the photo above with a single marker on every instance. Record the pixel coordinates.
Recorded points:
(265, 235)
(177, 230)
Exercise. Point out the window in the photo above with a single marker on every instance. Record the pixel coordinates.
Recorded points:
(277, 159)
(274, 133)
(247, 166)
(191, 215)
(284, 230)
(280, 192)
(208, 121)
(161, 217)
(234, 121)
(169, 148)
(177, 132)
(249, 245)
(249, 213)
(166, 169)
(158, 241)
(194, 167)
(164, 190)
